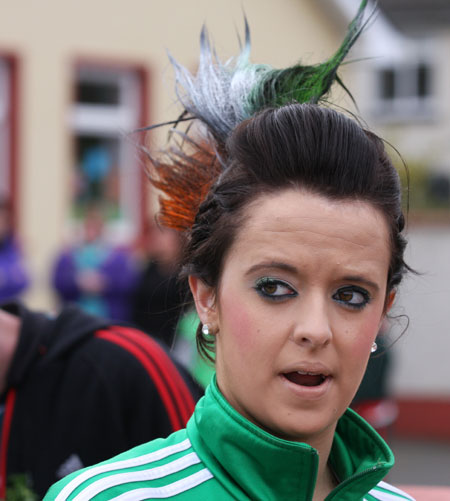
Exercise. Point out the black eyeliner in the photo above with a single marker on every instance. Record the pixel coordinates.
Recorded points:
(354, 288)
(273, 281)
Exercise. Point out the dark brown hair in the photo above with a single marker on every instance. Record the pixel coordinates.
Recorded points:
(298, 145)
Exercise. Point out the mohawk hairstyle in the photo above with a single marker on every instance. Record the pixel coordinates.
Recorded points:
(219, 97)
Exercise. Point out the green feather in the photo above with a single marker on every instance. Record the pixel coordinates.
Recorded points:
(303, 84)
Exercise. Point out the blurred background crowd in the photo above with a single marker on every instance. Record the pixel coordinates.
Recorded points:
(77, 217)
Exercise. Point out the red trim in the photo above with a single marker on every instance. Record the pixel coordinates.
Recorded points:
(153, 373)
(178, 387)
(12, 61)
(175, 395)
(7, 420)
(144, 121)
(426, 417)
(14, 144)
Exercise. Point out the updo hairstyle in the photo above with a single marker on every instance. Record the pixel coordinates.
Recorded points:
(302, 146)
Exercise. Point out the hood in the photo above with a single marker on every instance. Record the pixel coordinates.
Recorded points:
(42, 334)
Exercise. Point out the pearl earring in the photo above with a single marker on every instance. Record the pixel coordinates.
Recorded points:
(374, 347)
(205, 329)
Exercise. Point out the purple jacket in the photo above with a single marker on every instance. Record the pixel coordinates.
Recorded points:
(13, 275)
(119, 274)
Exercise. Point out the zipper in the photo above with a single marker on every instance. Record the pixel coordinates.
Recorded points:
(350, 480)
(6, 429)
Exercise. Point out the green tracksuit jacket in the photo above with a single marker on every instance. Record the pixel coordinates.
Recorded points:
(222, 456)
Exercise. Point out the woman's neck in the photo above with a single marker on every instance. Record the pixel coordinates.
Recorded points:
(326, 480)
(9, 338)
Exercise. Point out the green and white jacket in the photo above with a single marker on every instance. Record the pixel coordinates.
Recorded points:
(222, 456)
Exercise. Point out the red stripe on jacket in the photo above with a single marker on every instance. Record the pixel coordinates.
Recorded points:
(7, 419)
(174, 393)
(171, 374)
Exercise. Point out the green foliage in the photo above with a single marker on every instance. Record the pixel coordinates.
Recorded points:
(18, 489)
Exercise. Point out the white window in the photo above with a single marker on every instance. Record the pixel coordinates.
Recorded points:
(404, 90)
(107, 106)
(5, 128)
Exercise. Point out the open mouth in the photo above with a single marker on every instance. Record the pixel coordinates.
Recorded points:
(306, 378)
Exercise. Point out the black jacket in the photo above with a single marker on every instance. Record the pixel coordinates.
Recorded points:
(80, 391)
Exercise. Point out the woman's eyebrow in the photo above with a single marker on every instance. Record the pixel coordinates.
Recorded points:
(272, 265)
(362, 280)
(278, 265)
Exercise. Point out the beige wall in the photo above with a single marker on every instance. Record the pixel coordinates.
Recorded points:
(420, 138)
(49, 36)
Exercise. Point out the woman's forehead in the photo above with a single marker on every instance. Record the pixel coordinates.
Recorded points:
(298, 218)
(292, 202)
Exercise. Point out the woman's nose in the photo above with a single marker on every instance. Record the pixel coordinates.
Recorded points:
(312, 326)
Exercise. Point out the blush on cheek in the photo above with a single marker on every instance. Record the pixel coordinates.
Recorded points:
(361, 347)
(239, 324)
(364, 338)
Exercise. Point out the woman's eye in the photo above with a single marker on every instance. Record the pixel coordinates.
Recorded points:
(274, 289)
(352, 296)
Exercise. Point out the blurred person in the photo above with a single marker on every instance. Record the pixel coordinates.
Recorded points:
(14, 277)
(98, 277)
(76, 389)
(159, 295)
(96, 164)
(292, 213)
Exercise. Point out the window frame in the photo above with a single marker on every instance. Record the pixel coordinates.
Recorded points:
(406, 103)
(81, 116)
(12, 111)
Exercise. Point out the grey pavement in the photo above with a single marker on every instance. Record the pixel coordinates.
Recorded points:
(420, 462)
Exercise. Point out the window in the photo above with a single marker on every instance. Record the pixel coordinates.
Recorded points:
(5, 129)
(404, 89)
(107, 106)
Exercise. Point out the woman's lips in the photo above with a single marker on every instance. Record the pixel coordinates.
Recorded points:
(305, 378)
(308, 385)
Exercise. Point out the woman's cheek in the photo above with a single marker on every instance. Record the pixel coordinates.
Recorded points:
(238, 323)
(364, 336)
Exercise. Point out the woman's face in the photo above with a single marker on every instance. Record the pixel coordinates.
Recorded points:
(299, 304)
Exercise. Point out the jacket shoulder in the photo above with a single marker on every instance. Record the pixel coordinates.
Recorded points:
(120, 355)
(132, 371)
(160, 468)
(387, 492)
(166, 375)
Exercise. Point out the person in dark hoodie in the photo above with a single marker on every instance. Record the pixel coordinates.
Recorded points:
(75, 390)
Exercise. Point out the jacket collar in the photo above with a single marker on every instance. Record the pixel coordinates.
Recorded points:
(252, 463)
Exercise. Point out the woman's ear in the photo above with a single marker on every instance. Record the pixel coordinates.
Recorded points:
(205, 300)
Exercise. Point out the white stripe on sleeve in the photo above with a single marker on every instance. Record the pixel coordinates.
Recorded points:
(137, 476)
(117, 465)
(388, 496)
(168, 490)
(389, 487)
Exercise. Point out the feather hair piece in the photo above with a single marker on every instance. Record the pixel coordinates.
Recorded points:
(223, 94)
(220, 96)
(183, 179)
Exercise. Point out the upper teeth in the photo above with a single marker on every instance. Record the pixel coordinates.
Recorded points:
(304, 373)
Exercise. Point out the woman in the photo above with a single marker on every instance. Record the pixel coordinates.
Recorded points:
(293, 255)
